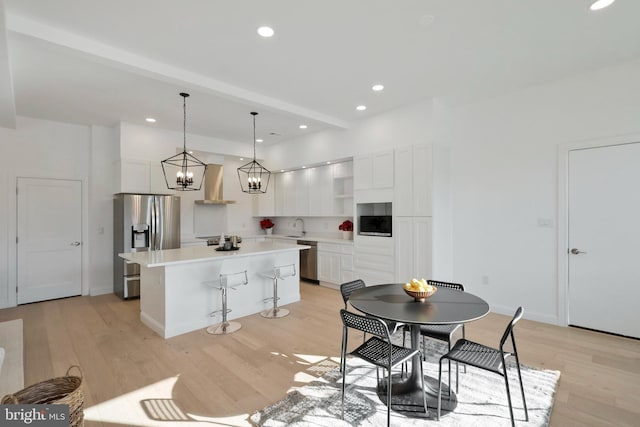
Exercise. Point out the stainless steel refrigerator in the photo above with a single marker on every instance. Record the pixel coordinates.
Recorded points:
(141, 222)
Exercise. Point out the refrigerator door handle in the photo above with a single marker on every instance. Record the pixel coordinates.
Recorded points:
(159, 224)
(154, 226)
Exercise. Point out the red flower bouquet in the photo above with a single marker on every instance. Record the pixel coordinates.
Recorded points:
(266, 223)
(346, 225)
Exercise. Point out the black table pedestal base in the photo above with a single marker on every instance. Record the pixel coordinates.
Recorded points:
(407, 399)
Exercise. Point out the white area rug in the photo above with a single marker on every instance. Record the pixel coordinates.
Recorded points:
(482, 399)
(12, 371)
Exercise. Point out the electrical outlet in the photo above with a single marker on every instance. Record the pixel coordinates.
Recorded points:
(326, 225)
(485, 280)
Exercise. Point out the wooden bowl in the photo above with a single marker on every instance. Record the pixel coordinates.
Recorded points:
(420, 296)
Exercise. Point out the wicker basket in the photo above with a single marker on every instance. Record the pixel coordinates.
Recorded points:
(65, 390)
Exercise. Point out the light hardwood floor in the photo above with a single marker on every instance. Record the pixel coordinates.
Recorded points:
(225, 379)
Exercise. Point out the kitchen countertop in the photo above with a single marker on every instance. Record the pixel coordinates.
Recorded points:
(206, 253)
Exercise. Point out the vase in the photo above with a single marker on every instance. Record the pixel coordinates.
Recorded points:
(269, 231)
(347, 235)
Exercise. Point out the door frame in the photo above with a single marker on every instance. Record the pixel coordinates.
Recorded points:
(563, 210)
(12, 291)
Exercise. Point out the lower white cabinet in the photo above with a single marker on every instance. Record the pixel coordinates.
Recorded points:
(373, 259)
(335, 263)
(413, 252)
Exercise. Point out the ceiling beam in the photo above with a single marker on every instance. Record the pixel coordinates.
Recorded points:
(122, 59)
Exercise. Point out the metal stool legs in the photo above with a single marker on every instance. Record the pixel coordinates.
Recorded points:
(226, 327)
(278, 273)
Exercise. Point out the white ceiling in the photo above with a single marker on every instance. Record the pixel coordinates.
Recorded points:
(105, 61)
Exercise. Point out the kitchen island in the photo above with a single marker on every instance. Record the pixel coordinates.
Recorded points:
(176, 295)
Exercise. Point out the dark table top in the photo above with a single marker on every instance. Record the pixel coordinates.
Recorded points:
(446, 306)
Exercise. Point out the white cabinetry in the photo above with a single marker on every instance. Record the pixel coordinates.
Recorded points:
(342, 189)
(142, 176)
(284, 197)
(413, 253)
(301, 193)
(373, 171)
(265, 204)
(335, 262)
(318, 191)
(373, 259)
(413, 181)
(412, 207)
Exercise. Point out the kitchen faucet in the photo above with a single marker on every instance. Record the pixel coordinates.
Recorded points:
(296, 223)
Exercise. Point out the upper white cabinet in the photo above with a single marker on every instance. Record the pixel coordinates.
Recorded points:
(318, 191)
(343, 189)
(285, 194)
(142, 176)
(301, 192)
(413, 181)
(265, 204)
(373, 171)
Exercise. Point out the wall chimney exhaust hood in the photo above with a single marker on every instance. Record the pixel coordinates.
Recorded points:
(213, 187)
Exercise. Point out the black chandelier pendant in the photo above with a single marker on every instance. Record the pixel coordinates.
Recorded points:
(183, 172)
(254, 178)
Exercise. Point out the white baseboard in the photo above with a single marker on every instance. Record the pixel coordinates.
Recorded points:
(101, 290)
(529, 315)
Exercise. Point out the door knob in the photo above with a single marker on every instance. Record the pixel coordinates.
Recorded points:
(75, 244)
(576, 251)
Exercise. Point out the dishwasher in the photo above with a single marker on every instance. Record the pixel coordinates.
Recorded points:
(309, 261)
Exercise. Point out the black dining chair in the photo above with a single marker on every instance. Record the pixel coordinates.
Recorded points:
(440, 332)
(346, 289)
(377, 350)
(489, 359)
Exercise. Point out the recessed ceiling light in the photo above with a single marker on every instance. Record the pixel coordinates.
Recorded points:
(281, 170)
(150, 119)
(361, 107)
(377, 88)
(601, 4)
(328, 163)
(241, 158)
(259, 140)
(190, 152)
(304, 167)
(266, 31)
(303, 126)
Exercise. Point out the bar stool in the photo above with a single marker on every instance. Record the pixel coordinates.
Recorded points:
(226, 281)
(280, 272)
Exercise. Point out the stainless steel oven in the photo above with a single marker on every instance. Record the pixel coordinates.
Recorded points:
(309, 261)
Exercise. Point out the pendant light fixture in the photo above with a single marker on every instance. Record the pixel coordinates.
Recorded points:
(183, 172)
(254, 178)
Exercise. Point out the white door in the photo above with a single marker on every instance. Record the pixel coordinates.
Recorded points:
(604, 238)
(49, 223)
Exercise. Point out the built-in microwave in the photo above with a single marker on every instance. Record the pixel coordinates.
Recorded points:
(375, 225)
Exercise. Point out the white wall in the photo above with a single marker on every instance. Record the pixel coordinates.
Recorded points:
(401, 127)
(504, 178)
(148, 143)
(104, 154)
(39, 149)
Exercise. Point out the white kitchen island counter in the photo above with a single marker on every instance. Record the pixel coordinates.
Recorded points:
(175, 297)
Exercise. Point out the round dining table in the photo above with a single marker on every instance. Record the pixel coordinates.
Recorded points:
(446, 306)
